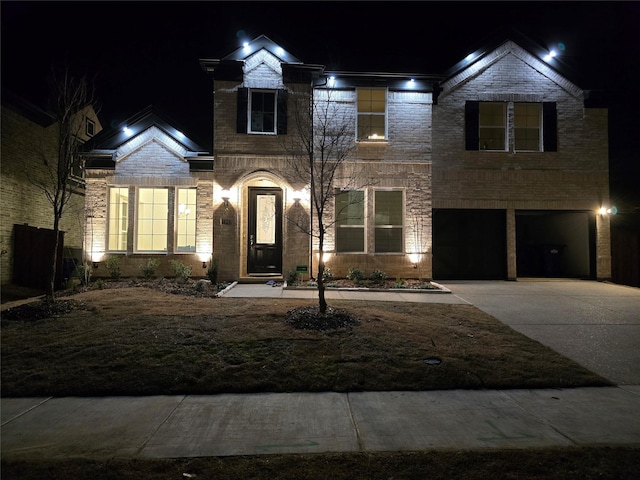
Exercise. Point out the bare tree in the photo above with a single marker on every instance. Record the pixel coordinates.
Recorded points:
(320, 156)
(69, 97)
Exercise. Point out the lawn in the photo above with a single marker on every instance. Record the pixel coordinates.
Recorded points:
(144, 341)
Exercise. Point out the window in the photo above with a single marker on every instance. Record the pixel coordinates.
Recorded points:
(153, 210)
(534, 126)
(186, 220)
(372, 114)
(492, 126)
(90, 128)
(388, 215)
(118, 218)
(262, 111)
(262, 108)
(350, 221)
(527, 118)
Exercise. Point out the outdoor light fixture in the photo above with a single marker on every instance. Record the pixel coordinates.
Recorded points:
(414, 258)
(127, 131)
(95, 264)
(608, 210)
(204, 264)
(332, 81)
(225, 197)
(549, 55)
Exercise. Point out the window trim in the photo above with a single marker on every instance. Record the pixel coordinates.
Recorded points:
(385, 114)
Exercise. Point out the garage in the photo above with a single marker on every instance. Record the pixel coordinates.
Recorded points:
(555, 244)
(469, 244)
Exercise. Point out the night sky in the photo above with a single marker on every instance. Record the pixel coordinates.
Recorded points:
(143, 53)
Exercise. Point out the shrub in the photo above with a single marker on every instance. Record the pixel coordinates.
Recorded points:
(181, 271)
(327, 275)
(149, 269)
(378, 276)
(293, 277)
(113, 266)
(212, 271)
(355, 275)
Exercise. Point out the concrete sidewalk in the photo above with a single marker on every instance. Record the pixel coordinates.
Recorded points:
(275, 423)
(262, 290)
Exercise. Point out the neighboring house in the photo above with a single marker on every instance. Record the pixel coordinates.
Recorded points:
(497, 169)
(148, 194)
(29, 141)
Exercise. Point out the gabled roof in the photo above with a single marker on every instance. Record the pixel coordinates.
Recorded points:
(536, 48)
(259, 43)
(111, 139)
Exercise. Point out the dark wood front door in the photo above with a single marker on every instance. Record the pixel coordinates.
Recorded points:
(264, 248)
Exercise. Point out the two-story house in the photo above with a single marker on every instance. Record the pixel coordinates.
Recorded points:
(496, 169)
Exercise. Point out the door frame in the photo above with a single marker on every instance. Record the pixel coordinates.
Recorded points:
(276, 265)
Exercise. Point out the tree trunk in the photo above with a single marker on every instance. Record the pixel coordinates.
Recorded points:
(49, 294)
(322, 302)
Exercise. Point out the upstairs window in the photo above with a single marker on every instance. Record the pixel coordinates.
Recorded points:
(527, 118)
(90, 128)
(262, 111)
(533, 127)
(372, 114)
(388, 214)
(492, 126)
(350, 221)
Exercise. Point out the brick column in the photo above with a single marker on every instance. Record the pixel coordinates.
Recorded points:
(512, 273)
(603, 247)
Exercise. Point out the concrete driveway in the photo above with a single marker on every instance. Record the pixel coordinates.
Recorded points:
(596, 324)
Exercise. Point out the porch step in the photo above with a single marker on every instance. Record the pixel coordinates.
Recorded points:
(261, 279)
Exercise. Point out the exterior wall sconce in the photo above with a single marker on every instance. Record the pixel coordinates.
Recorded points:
(225, 197)
(204, 264)
(95, 264)
(414, 258)
(608, 210)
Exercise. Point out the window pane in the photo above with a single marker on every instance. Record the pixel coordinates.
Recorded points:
(388, 207)
(350, 239)
(527, 126)
(152, 222)
(118, 218)
(350, 221)
(492, 121)
(186, 220)
(388, 240)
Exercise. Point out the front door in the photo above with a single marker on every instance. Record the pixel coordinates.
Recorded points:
(264, 248)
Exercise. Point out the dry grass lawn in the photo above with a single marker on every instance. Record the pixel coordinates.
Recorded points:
(141, 341)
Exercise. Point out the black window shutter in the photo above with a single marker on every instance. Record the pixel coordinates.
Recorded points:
(549, 127)
(282, 112)
(243, 106)
(472, 125)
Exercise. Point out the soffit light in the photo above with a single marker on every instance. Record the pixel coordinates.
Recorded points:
(550, 55)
